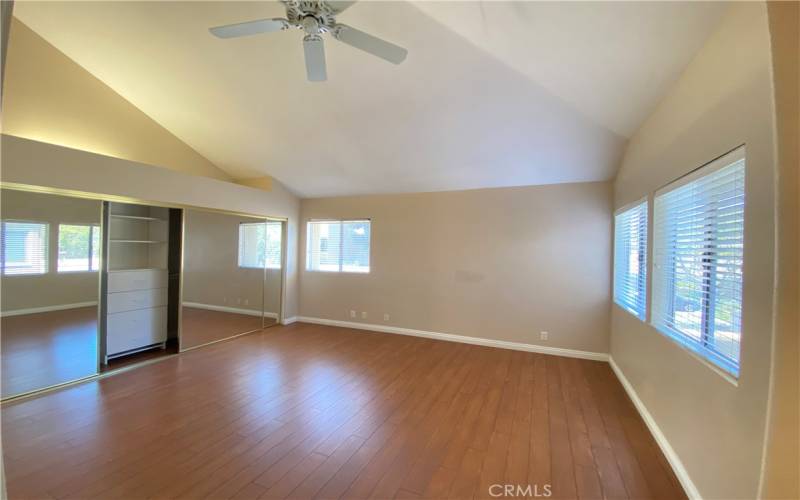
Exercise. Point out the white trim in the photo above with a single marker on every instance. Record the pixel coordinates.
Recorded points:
(289, 321)
(248, 312)
(449, 337)
(672, 457)
(59, 307)
(718, 163)
(635, 203)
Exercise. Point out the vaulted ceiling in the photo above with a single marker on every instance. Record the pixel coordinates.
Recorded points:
(492, 93)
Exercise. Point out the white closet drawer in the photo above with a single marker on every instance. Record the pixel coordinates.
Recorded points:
(133, 329)
(137, 299)
(124, 281)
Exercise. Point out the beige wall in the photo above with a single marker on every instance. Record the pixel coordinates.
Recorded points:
(48, 97)
(52, 288)
(782, 464)
(723, 99)
(38, 164)
(211, 272)
(501, 264)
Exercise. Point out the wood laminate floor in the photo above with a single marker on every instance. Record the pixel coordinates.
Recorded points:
(201, 326)
(312, 411)
(48, 348)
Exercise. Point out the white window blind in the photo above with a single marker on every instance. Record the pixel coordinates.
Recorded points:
(630, 259)
(78, 248)
(252, 244)
(698, 246)
(338, 246)
(24, 247)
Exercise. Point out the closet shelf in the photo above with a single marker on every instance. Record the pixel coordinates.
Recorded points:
(138, 217)
(136, 241)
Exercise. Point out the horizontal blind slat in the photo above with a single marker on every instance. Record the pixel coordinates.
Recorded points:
(338, 246)
(630, 256)
(24, 247)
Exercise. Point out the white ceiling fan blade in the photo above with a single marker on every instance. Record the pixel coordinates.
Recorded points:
(340, 5)
(368, 43)
(315, 58)
(250, 28)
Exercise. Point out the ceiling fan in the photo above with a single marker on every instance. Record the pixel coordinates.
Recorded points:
(316, 17)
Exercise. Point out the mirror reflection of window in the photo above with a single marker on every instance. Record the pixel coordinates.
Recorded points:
(252, 245)
(260, 245)
(78, 248)
(24, 247)
(273, 246)
(232, 276)
(49, 261)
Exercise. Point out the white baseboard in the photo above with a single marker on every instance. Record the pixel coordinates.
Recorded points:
(289, 321)
(672, 457)
(503, 344)
(236, 310)
(60, 307)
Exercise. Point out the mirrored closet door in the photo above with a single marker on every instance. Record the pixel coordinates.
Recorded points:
(50, 261)
(90, 286)
(231, 276)
(273, 260)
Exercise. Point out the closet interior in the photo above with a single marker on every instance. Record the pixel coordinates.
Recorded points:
(141, 279)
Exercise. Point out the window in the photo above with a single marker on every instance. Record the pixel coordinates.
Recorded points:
(698, 246)
(78, 248)
(630, 259)
(260, 245)
(24, 248)
(274, 235)
(338, 246)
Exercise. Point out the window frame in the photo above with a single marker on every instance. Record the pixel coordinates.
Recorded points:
(46, 225)
(341, 222)
(92, 228)
(644, 261)
(729, 369)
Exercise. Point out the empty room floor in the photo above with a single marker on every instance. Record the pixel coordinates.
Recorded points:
(44, 349)
(314, 411)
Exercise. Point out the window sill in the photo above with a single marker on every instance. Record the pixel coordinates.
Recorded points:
(628, 311)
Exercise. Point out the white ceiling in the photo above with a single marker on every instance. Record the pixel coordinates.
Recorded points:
(492, 93)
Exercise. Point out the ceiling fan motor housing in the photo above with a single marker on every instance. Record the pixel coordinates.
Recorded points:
(313, 16)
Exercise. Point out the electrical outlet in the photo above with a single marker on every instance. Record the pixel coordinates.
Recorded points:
(385, 317)
(238, 300)
(225, 300)
(364, 315)
(543, 335)
(247, 302)
(352, 313)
